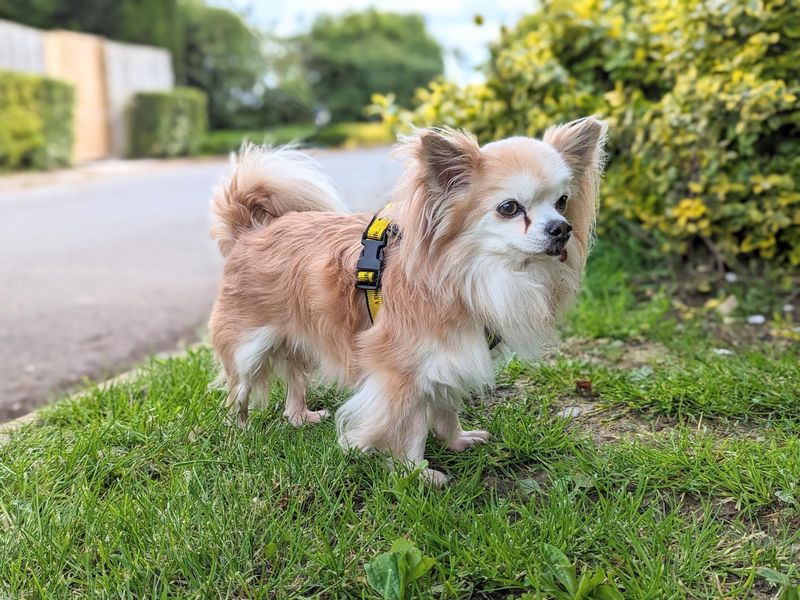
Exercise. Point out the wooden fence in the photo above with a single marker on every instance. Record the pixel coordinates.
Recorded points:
(105, 75)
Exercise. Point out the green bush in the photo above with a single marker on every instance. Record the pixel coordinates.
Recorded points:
(36, 122)
(703, 101)
(348, 135)
(165, 124)
(230, 140)
(353, 135)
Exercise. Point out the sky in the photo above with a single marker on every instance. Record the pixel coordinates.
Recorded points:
(449, 21)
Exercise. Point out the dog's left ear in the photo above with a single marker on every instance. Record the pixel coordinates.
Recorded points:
(580, 142)
(449, 157)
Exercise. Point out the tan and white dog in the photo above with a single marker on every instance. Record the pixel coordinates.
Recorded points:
(491, 238)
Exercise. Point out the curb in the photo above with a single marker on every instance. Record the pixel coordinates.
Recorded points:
(8, 429)
(97, 171)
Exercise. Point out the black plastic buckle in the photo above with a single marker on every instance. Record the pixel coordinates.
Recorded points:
(371, 260)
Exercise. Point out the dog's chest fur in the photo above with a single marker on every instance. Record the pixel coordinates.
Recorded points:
(460, 365)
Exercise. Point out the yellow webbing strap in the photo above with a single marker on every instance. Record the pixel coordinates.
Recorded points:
(377, 231)
(374, 302)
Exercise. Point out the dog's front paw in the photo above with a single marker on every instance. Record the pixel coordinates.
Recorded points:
(467, 439)
(434, 477)
(300, 418)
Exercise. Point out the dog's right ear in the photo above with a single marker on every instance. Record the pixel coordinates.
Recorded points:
(442, 164)
(448, 158)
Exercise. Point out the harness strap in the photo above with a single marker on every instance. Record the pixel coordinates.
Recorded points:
(369, 269)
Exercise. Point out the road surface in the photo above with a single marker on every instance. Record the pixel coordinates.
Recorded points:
(98, 271)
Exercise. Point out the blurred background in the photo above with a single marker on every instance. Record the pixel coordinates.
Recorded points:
(105, 255)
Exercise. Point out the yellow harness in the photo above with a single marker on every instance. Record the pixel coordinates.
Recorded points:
(370, 265)
(369, 269)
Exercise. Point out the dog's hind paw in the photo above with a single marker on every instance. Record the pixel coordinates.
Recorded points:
(467, 439)
(300, 418)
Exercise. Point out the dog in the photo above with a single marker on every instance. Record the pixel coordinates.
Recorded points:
(492, 238)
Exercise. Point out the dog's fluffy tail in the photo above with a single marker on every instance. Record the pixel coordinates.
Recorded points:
(265, 185)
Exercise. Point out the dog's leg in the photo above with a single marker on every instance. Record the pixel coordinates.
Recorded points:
(261, 388)
(448, 428)
(237, 402)
(407, 441)
(387, 419)
(296, 409)
(250, 363)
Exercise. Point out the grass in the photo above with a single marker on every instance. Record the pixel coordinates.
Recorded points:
(680, 479)
(346, 135)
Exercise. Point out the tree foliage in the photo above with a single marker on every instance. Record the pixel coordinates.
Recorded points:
(154, 22)
(221, 56)
(703, 100)
(349, 57)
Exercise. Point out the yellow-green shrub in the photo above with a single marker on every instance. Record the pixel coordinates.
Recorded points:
(165, 124)
(703, 100)
(36, 122)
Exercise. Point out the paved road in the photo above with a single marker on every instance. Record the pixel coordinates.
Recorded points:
(99, 271)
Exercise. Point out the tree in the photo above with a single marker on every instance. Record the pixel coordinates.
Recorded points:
(223, 57)
(348, 58)
(154, 22)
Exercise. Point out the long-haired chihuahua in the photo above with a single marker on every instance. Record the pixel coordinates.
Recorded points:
(483, 239)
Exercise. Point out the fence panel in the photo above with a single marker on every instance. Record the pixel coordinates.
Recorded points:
(21, 48)
(130, 69)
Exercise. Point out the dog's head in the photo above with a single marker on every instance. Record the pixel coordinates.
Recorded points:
(502, 230)
(517, 200)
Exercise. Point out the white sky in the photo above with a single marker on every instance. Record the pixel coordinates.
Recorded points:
(450, 22)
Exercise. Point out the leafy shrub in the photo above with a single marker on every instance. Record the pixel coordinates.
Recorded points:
(225, 141)
(348, 135)
(703, 101)
(167, 124)
(36, 114)
(353, 135)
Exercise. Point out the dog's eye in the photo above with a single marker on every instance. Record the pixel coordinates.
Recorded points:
(509, 208)
(561, 204)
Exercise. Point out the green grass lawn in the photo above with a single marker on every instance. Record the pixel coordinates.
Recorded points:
(680, 477)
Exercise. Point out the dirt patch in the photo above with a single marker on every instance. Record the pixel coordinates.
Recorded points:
(605, 352)
(607, 424)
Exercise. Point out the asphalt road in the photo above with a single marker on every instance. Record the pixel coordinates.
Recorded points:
(101, 269)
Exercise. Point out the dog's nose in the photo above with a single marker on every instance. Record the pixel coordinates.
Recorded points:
(558, 230)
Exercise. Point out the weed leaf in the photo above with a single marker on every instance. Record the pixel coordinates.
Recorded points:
(392, 573)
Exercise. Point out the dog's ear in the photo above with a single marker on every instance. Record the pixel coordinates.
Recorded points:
(449, 158)
(580, 142)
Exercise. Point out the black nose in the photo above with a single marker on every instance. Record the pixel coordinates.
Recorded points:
(559, 230)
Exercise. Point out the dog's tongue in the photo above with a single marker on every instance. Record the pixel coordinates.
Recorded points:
(563, 256)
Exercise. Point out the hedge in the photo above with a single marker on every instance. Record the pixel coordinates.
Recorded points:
(36, 122)
(165, 124)
(703, 100)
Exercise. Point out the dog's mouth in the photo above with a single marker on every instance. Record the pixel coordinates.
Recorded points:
(559, 251)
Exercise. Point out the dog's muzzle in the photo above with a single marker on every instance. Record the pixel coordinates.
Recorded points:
(558, 232)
